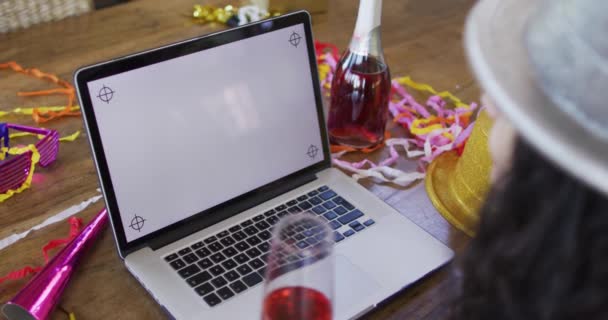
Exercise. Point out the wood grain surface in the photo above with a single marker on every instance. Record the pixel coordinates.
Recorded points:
(421, 38)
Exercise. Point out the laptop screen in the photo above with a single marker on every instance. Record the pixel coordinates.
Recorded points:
(186, 134)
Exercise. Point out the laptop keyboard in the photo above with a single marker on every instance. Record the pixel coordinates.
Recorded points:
(234, 260)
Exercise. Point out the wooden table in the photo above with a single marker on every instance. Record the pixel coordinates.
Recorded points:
(421, 38)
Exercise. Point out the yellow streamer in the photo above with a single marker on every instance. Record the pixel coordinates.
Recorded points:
(425, 87)
(417, 130)
(28, 180)
(20, 134)
(324, 68)
(70, 315)
(69, 138)
(30, 111)
(417, 126)
(324, 71)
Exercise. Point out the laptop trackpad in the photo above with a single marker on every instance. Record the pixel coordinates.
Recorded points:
(353, 285)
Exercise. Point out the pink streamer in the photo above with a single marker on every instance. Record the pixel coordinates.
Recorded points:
(426, 147)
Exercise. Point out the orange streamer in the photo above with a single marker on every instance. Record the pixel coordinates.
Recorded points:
(337, 148)
(67, 90)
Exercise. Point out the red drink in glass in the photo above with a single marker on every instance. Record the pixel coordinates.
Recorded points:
(297, 303)
(300, 279)
(359, 101)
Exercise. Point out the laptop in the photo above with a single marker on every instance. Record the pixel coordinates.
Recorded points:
(202, 146)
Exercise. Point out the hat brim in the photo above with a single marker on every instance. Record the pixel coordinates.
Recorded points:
(494, 42)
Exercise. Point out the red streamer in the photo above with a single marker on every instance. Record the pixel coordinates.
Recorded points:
(75, 226)
(321, 47)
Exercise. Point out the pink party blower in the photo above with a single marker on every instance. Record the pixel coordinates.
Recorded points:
(39, 297)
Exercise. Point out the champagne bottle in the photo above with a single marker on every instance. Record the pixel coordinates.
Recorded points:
(361, 85)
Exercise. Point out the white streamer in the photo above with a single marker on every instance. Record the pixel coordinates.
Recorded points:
(411, 152)
(383, 172)
(56, 218)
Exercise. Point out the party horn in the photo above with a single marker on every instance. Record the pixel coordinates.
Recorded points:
(39, 297)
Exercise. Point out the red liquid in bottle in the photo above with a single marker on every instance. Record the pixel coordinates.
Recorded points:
(296, 303)
(359, 101)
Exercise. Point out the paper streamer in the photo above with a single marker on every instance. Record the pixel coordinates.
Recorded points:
(427, 88)
(69, 138)
(20, 274)
(383, 172)
(30, 111)
(65, 88)
(435, 127)
(53, 219)
(75, 225)
(380, 174)
(70, 315)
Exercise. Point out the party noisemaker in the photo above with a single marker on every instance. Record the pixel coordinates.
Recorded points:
(39, 297)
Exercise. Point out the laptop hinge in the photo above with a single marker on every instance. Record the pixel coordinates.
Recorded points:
(226, 212)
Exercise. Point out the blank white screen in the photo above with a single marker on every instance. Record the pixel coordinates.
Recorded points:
(186, 134)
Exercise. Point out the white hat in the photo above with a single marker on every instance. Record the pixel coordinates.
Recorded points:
(545, 64)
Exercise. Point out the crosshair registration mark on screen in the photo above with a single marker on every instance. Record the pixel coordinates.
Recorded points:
(295, 39)
(105, 94)
(137, 223)
(312, 151)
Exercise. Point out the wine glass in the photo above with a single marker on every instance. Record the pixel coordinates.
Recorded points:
(300, 273)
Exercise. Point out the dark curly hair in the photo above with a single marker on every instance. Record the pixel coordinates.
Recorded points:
(541, 250)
